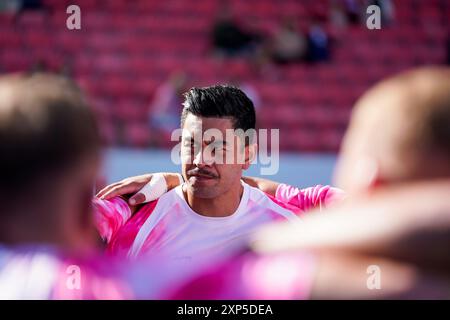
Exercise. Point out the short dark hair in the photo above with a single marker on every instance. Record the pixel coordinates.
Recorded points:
(45, 126)
(220, 101)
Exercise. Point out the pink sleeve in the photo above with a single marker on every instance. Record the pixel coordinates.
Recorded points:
(110, 216)
(309, 198)
(91, 280)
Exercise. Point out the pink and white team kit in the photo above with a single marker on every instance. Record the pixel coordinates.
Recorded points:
(165, 233)
(168, 225)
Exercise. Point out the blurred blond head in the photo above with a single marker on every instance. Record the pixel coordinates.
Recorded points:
(399, 132)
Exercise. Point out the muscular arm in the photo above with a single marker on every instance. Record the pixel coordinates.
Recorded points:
(133, 186)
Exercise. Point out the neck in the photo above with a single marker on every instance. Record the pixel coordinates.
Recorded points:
(222, 206)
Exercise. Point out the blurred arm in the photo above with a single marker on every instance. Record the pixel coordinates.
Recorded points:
(110, 216)
(143, 188)
(304, 199)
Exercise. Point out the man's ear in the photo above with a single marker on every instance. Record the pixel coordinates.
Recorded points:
(250, 155)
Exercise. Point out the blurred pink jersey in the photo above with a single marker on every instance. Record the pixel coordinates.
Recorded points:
(41, 273)
(317, 197)
(44, 273)
(287, 276)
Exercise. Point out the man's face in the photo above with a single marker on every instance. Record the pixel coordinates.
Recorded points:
(212, 157)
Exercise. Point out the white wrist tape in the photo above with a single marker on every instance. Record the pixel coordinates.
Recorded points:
(155, 188)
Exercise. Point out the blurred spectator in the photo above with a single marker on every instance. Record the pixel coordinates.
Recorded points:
(165, 108)
(338, 18)
(15, 6)
(387, 10)
(353, 11)
(32, 4)
(229, 39)
(318, 43)
(10, 6)
(289, 44)
(247, 88)
(251, 92)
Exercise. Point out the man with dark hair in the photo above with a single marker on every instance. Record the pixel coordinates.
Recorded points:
(226, 109)
(220, 101)
(213, 210)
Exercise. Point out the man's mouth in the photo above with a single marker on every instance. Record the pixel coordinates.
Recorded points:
(201, 176)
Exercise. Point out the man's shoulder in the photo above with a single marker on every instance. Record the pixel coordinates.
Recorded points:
(172, 196)
(265, 201)
(255, 194)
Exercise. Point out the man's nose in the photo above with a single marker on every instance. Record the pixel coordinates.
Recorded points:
(203, 158)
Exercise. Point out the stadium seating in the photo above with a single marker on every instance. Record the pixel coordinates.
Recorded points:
(127, 48)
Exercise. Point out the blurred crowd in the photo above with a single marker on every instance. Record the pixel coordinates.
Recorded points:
(292, 41)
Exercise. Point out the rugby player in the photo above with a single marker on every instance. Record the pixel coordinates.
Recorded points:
(215, 210)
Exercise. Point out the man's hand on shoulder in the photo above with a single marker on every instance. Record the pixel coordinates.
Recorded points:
(143, 188)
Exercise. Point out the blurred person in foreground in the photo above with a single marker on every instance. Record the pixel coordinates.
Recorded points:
(49, 158)
(49, 154)
(394, 224)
